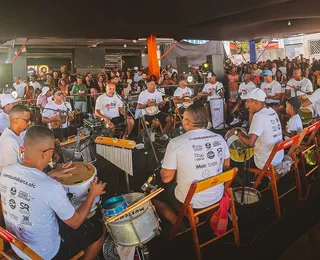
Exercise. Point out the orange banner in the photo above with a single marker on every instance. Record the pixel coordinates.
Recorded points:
(153, 65)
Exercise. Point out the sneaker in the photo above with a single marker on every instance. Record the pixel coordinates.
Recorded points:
(209, 126)
(245, 124)
(164, 137)
(235, 121)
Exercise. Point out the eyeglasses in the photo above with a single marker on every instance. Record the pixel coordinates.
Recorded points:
(25, 120)
(48, 150)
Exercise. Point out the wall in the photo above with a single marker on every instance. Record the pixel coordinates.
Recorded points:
(306, 38)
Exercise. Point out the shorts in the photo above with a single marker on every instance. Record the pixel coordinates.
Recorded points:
(75, 240)
(160, 116)
(168, 196)
(117, 120)
(81, 106)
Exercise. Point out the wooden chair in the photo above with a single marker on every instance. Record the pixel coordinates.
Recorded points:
(269, 170)
(310, 145)
(10, 255)
(187, 210)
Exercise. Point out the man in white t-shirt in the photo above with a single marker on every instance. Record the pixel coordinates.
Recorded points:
(58, 115)
(294, 125)
(109, 107)
(272, 89)
(37, 209)
(34, 83)
(11, 140)
(7, 102)
(182, 94)
(20, 87)
(213, 89)
(265, 129)
(296, 83)
(244, 88)
(149, 102)
(196, 155)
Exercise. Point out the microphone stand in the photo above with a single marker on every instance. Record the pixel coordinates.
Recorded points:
(126, 109)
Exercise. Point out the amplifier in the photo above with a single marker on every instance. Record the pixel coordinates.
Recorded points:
(94, 124)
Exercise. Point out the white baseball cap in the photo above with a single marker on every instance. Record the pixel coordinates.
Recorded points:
(45, 90)
(8, 99)
(256, 94)
(135, 68)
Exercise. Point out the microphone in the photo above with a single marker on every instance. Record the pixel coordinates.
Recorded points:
(147, 185)
(77, 153)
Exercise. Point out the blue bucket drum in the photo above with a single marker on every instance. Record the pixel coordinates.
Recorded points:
(114, 206)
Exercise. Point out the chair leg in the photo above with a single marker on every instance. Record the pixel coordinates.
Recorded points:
(139, 127)
(275, 193)
(297, 177)
(194, 232)
(317, 154)
(234, 219)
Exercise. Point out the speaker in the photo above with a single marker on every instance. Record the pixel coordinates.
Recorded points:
(182, 65)
(217, 61)
(6, 75)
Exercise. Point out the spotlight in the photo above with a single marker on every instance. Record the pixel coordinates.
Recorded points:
(190, 79)
(206, 66)
(289, 23)
(125, 45)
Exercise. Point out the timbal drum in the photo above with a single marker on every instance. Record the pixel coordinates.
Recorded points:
(78, 185)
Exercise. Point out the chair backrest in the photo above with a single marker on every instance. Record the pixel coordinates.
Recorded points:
(5, 235)
(198, 186)
(312, 130)
(292, 143)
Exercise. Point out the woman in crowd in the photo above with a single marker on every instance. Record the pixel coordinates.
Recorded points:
(174, 78)
(63, 86)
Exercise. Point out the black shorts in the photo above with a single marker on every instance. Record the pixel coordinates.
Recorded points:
(75, 240)
(119, 120)
(160, 116)
(168, 196)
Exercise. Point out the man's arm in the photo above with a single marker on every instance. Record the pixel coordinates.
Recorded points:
(247, 140)
(167, 175)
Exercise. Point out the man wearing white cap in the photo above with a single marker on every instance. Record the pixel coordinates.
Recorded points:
(213, 89)
(44, 97)
(265, 129)
(20, 87)
(7, 102)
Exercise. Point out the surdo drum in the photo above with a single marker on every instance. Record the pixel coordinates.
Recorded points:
(138, 226)
(77, 186)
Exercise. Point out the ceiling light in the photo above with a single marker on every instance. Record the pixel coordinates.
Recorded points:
(125, 45)
(289, 23)
(134, 41)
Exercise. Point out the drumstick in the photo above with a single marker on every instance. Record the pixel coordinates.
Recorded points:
(135, 205)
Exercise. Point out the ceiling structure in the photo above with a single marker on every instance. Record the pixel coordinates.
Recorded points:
(204, 19)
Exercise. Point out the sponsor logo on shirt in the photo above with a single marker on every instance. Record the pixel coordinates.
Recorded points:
(24, 208)
(13, 216)
(110, 105)
(25, 220)
(21, 228)
(199, 156)
(274, 128)
(216, 143)
(200, 166)
(210, 155)
(212, 164)
(200, 137)
(30, 184)
(13, 191)
(273, 121)
(3, 188)
(205, 174)
(23, 195)
(208, 145)
(219, 151)
(197, 147)
(12, 203)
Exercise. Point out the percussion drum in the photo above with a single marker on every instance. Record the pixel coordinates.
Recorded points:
(236, 146)
(186, 102)
(114, 206)
(306, 114)
(217, 112)
(152, 110)
(78, 184)
(137, 227)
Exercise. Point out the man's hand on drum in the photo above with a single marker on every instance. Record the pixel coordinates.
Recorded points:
(108, 122)
(64, 171)
(97, 188)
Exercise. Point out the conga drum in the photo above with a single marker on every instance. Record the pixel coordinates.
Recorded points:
(78, 184)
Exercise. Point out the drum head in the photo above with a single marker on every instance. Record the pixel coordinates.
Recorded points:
(251, 196)
(236, 146)
(305, 115)
(83, 172)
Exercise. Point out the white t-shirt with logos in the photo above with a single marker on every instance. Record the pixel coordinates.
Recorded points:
(30, 201)
(35, 85)
(146, 97)
(267, 126)
(182, 92)
(4, 121)
(294, 124)
(197, 155)
(61, 110)
(11, 148)
(20, 88)
(215, 89)
(271, 89)
(315, 99)
(109, 106)
(304, 84)
(245, 88)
